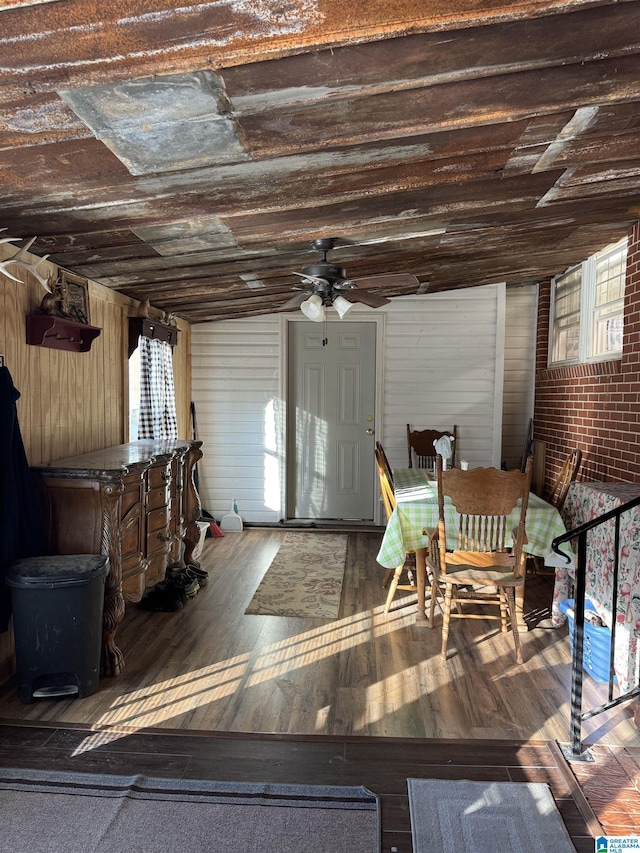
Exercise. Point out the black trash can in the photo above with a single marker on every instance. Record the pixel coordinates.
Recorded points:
(57, 620)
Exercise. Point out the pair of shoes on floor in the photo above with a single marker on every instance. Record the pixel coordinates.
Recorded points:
(165, 598)
(172, 593)
(189, 571)
(180, 585)
(174, 570)
(186, 582)
(199, 574)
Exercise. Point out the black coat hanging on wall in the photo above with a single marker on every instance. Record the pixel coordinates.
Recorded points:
(21, 533)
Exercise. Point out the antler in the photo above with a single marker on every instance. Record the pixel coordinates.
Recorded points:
(8, 239)
(20, 260)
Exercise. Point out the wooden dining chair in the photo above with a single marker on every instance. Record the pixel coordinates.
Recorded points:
(386, 481)
(557, 496)
(487, 564)
(567, 475)
(420, 447)
(381, 459)
(393, 577)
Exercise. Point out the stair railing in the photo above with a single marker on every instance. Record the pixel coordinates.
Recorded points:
(575, 751)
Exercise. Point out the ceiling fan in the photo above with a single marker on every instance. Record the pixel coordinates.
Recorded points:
(324, 284)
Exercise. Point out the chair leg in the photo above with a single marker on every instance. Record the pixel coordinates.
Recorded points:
(446, 615)
(504, 610)
(511, 601)
(435, 588)
(392, 588)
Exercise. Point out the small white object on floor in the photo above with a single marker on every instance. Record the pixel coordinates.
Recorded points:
(232, 521)
(203, 526)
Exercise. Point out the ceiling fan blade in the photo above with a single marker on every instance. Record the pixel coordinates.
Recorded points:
(313, 278)
(400, 279)
(295, 301)
(373, 300)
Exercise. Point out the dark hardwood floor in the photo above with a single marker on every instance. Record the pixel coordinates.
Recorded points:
(209, 691)
(382, 765)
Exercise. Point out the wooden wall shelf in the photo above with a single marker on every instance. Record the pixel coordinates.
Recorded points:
(44, 330)
(147, 328)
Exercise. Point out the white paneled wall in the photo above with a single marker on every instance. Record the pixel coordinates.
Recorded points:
(442, 358)
(443, 366)
(236, 391)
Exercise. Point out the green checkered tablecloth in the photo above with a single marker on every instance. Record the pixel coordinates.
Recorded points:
(417, 510)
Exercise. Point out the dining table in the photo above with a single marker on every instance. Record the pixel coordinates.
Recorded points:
(416, 515)
(584, 502)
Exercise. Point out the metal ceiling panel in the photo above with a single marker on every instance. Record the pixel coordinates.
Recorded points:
(195, 149)
(162, 124)
(194, 235)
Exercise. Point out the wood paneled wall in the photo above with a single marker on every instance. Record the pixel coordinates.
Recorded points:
(75, 402)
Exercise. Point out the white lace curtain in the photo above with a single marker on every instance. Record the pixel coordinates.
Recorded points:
(157, 393)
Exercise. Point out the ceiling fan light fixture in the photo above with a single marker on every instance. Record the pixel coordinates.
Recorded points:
(327, 283)
(313, 309)
(342, 306)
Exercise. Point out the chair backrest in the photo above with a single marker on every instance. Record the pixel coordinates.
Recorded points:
(567, 475)
(382, 457)
(386, 480)
(490, 525)
(422, 453)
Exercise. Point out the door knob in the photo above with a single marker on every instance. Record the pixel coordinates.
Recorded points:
(369, 432)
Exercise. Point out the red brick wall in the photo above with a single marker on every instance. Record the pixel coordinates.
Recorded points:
(595, 407)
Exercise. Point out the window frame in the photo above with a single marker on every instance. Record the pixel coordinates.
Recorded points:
(588, 308)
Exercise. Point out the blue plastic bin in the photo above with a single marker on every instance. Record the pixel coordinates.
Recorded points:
(597, 643)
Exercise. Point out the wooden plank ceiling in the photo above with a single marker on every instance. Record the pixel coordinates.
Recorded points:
(189, 154)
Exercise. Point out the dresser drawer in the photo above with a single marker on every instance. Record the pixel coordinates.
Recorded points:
(158, 496)
(158, 547)
(158, 475)
(158, 519)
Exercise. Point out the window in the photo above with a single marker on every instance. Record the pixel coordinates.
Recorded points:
(587, 305)
(566, 316)
(134, 394)
(606, 332)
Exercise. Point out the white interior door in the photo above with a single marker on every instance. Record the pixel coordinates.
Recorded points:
(330, 420)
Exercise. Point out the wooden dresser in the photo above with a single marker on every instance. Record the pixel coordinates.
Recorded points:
(136, 503)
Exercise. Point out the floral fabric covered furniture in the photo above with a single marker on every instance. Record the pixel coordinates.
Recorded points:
(584, 502)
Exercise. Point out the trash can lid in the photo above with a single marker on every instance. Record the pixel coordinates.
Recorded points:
(57, 570)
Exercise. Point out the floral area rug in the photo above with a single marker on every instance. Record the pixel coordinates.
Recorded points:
(305, 577)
